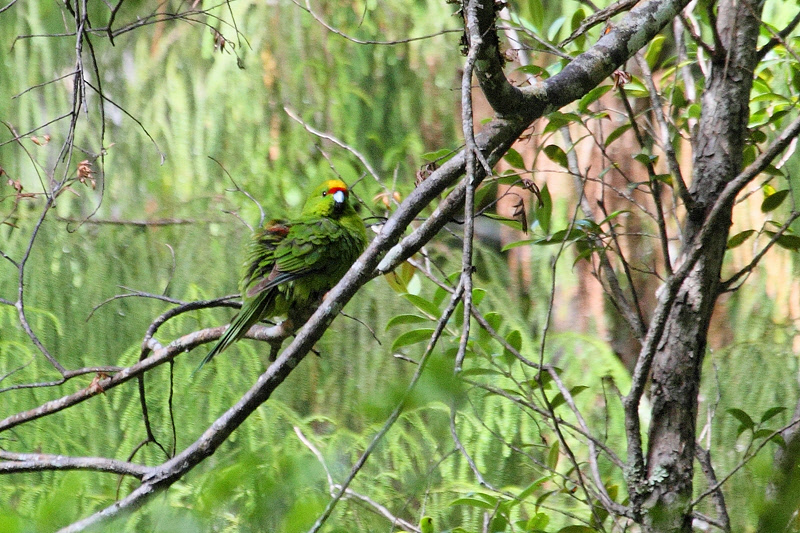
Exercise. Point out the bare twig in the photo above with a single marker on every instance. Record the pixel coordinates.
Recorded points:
(704, 458)
(605, 499)
(341, 144)
(307, 8)
(350, 493)
(665, 142)
(631, 313)
(599, 17)
(8, 6)
(460, 447)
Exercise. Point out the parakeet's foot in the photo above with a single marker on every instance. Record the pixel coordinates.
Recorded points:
(274, 348)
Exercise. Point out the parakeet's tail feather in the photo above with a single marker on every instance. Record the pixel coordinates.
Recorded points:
(240, 325)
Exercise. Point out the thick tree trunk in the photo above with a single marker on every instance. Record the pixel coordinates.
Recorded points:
(718, 147)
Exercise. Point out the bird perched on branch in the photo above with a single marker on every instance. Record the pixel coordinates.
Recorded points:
(291, 264)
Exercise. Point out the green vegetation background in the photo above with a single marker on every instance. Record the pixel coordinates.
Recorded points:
(392, 103)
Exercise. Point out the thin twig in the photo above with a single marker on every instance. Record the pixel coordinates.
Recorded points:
(704, 458)
(307, 8)
(460, 447)
(332, 487)
(341, 144)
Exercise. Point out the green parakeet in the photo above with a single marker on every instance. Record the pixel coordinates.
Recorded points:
(291, 264)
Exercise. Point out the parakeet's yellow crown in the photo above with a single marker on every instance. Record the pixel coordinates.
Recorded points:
(335, 186)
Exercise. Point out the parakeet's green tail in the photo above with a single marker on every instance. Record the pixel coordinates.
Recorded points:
(240, 325)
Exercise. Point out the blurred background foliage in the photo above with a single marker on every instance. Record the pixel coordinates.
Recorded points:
(168, 220)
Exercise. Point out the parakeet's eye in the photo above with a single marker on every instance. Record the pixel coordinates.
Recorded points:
(324, 194)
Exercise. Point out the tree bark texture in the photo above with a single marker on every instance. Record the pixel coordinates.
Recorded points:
(718, 147)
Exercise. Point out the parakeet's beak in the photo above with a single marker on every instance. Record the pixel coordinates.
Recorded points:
(339, 202)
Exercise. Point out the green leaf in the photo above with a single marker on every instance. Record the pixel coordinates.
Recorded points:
(613, 215)
(543, 211)
(515, 339)
(654, 50)
(517, 244)
(762, 433)
(538, 522)
(534, 70)
(790, 242)
(405, 319)
(494, 319)
(646, 159)
(617, 133)
(740, 238)
(426, 524)
(778, 439)
(771, 412)
(423, 305)
(541, 499)
(498, 523)
(592, 96)
(556, 155)
(558, 399)
(664, 178)
(743, 418)
(477, 296)
(473, 502)
(557, 120)
(772, 170)
(576, 529)
(561, 236)
(510, 222)
(773, 201)
(552, 455)
(555, 27)
(412, 337)
(532, 487)
(577, 18)
(440, 156)
(758, 136)
(513, 158)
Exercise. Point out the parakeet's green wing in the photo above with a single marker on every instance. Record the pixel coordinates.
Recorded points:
(314, 256)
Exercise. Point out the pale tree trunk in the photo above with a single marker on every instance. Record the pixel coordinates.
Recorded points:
(718, 146)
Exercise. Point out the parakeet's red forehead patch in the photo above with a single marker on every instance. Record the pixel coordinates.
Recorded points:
(337, 188)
